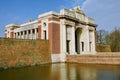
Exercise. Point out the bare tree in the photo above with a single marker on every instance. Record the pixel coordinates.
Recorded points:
(115, 40)
(101, 36)
(101, 40)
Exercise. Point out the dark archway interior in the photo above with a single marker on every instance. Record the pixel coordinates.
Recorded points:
(77, 39)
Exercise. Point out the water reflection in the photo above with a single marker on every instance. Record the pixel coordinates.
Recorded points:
(63, 72)
(85, 72)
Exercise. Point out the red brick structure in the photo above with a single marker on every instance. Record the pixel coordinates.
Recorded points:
(54, 37)
(39, 32)
(99, 58)
(11, 34)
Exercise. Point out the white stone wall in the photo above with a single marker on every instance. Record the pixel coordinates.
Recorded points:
(86, 43)
(8, 31)
(55, 57)
(62, 40)
(44, 28)
(92, 41)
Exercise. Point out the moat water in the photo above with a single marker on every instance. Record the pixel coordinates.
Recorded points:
(62, 71)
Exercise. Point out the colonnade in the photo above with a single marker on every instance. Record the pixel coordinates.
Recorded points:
(27, 34)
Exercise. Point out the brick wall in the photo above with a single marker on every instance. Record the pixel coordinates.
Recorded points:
(54, 19)
(39, 32)
(99, 58)
(16, 53)
(11, 34)
(54, 37)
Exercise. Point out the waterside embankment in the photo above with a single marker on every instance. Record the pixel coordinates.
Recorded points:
(19, 53)
(98, 58)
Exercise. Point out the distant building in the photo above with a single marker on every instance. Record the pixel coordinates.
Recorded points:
(69, 32)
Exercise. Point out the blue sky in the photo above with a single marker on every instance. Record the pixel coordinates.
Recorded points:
(105, 12)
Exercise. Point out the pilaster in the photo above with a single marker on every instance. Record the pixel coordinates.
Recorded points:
(27, 35)
(31, 34)
(63, 40)
(35, 33)
(72, 41)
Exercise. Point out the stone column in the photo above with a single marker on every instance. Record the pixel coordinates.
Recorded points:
(63, 40)
(20, 35)
(93, 43)
(27, 34)
(86, 39)
(31, 34)
(72, 47)
(35, 33)
(23, 34)
(17, 35)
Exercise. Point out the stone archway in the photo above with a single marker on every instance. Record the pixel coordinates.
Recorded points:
(78, 32)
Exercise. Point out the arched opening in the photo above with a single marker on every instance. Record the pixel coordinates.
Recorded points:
(68, 46)
(77, 39)
(45, 36)
(44, 31)
(44, 24)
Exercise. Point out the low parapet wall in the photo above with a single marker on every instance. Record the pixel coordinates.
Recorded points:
(16, 52)
(99, 58)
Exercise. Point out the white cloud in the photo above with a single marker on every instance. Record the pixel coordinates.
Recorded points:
(105, 12)
(73, 3)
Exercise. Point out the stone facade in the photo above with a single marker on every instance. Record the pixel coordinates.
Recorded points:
(68, 32)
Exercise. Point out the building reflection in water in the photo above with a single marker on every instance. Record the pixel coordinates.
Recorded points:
(62, 71)
(83, 72)
(72, 72)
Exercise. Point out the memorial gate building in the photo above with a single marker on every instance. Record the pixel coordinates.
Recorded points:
(69, 32)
